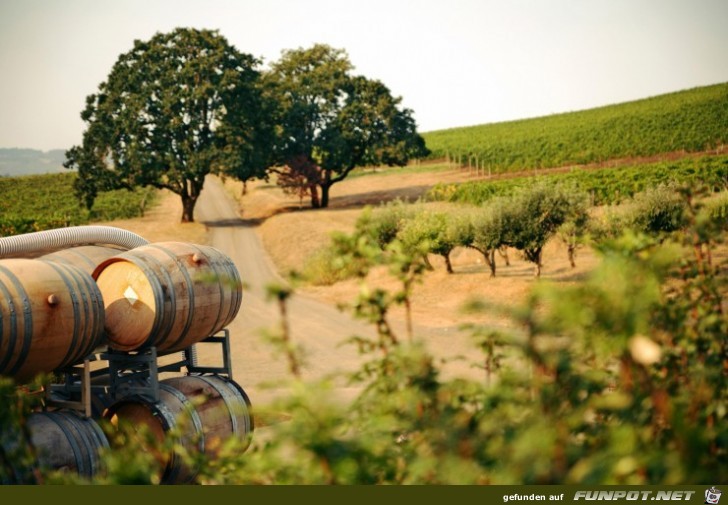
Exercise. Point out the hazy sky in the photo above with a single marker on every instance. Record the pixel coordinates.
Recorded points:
(454, 62)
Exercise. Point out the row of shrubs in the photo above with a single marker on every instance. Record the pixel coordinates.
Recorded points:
(525, 221)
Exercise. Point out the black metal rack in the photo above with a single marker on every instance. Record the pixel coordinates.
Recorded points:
(128, 373)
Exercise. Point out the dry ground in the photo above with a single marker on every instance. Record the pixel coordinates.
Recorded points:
(161, 223)
(291, 233)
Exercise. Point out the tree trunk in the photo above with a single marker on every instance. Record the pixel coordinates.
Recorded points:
(326, 184)
(325, 195)
(315, 203)
(245, 188)
(489, 257)
(190, 192)
(534, 256)
(427, 263)
(188, 208)
(408, 317)
(572, 255)
(448, 263)
(503, 251)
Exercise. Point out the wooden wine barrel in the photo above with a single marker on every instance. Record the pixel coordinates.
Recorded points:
(51, 316)
(86, 257)
(169, 294)
(209, 410)
(64, 440)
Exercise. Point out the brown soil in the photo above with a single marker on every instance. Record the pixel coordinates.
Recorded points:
(291, 233)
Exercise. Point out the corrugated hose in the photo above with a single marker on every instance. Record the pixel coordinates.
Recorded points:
(62, 238)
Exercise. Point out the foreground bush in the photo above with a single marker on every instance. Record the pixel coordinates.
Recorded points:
(621, 379)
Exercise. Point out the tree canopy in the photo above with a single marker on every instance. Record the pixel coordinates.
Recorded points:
(335, 121)
(174, 109)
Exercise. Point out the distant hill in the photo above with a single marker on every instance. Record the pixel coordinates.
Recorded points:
(694, 120)
(15, 162)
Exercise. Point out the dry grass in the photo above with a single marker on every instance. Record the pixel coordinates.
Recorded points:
(162, 223)
(291, 234)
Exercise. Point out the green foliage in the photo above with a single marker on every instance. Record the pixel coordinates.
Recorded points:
(431, 232)
(715, 211)
(660, 209)
(490, 231)
(18, 463)
(605, 186)
(573, 233)
(386, 222)
(323, 268)
(173, 109)
(692, 120)
(335, 121)
(44, 202)
(531, 217)
(617, 380)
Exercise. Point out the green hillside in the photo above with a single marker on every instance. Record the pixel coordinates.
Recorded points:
(693, 120)
(41, 202)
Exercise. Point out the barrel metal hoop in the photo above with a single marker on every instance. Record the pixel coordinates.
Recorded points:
(220, 286)
(246, 400)
(77, 423)
(13, 324)
(190, 295)
(238, 292)
(171, 476)
(162, 325)
(27, 318)
(158, 295)
(58, 421)
(70, 357)
(99, 434)
(94, 303)
(226, 397)
(232, 276)
(189, 406)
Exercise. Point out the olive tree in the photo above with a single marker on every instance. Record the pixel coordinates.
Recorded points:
(532, 216)
(489, 232)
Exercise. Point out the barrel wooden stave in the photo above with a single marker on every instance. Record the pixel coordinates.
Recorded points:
(51, 316)
(208, 409)
(64, 440)
(168, 294)
(86, 257)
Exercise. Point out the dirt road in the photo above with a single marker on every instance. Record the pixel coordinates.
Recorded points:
(319, 328)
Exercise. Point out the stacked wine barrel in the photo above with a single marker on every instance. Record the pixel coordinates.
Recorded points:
(57, 309)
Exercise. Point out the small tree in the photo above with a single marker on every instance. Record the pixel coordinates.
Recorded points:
(532, 217)
(387, 221)
(574, 229)
(658, 210)
(489, 232)
(428, 231)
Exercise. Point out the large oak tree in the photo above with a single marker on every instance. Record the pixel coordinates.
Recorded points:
(334, 121)
(174, 109)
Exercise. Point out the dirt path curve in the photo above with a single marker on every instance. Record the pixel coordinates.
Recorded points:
(318, 328)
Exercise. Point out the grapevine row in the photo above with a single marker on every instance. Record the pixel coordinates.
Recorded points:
(42, 202)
